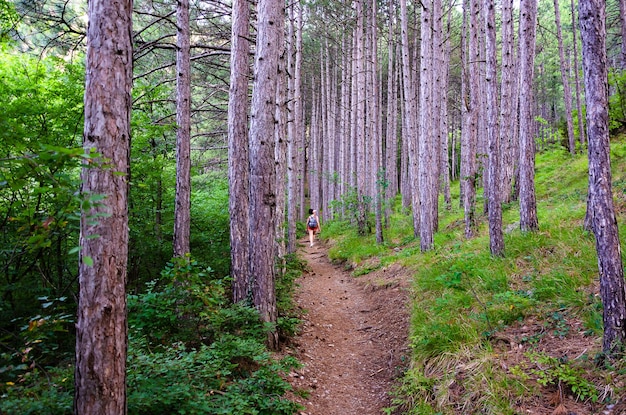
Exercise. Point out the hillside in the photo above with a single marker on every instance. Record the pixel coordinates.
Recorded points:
(512, 335)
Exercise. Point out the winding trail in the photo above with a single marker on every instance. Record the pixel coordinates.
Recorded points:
(353, 338)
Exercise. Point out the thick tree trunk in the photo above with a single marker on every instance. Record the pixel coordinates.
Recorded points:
(528, 203)
(262, 164)
(496, 239)
(182, 209)
(238, 152)
(101, 330)
(604, 222)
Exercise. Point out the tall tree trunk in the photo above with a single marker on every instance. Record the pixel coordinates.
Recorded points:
(182, 209)
(567, 93)
(391, 129)
(360, 117)
(294, 170)
(262, 164)
(427, 153)
(101, 327)
(443, 99)
(528, 203)
(238, 152)
(622, 18)
(604, 222)
(579, 107)
(409, 133)
(496, 239)
(508, 115)
(378, 173)
(469, 130)
(280, 156)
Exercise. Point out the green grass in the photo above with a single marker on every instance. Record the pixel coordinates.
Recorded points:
(464, 298)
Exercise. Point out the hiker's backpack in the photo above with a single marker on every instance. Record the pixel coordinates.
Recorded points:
(312, 222)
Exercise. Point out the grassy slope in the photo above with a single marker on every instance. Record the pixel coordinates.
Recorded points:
(497, 335)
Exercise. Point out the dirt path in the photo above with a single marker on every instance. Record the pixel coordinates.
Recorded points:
(353, 339)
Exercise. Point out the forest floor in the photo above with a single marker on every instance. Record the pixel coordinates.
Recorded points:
(353, 340)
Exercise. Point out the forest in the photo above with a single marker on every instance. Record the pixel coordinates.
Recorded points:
(160, 159)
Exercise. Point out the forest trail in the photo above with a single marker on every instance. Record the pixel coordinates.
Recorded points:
(353, 339)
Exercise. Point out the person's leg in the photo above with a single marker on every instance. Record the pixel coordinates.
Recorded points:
(311, 236)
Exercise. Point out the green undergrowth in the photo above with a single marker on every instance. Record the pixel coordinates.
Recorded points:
(466, 301)
(190, 351)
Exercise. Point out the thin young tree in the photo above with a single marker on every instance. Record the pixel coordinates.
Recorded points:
(101, 328)
(182, 205)
(579, 108)
(567, 93)
(603, 219)
(527, 199)
(238, 151)
(622, 18)
(496, 239)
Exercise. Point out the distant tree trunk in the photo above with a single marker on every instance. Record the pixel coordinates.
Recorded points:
(622, 18)
(528, 203)
(469, 131)
(238, 152)
(314, 158)
(444, 168)
(344, 120)
(359, 148)
(427, 153)
(391, 128)
(496, 239)
(376, 169)
(604, 222)
(579, 107)
(567, 93)
(182, 209)
(508, 116)
(410, 131)
(101, 327)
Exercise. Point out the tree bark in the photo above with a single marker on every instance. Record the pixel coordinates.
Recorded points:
(182, 209)
(528, 203)
(496, 239)
(604, 222)
(262, 164)
(238, 152)
(427, 154)
(469, 130)
(579, 107)
(101, 327)
(409, 133)
(508, 113)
